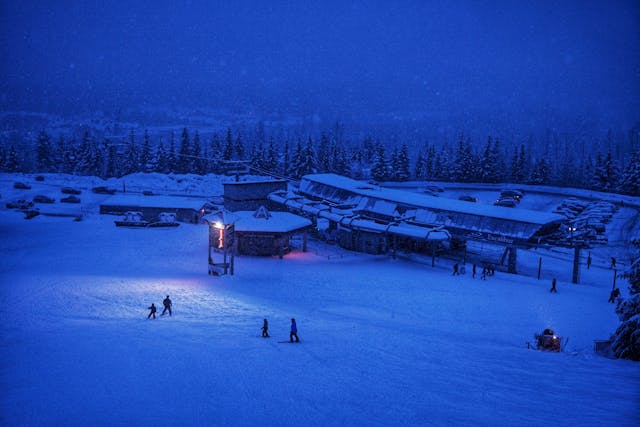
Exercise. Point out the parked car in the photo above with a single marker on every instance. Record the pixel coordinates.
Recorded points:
(435, 189)
(468, 199)
(19, 204)
(39, 178)
(70, 190)
(506, 202)
(516, 194)
(103, 190)
(147, 193)
(70, 199)
(43, 199)
(21, 186)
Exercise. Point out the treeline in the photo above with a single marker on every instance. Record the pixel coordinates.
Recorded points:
(548, 162)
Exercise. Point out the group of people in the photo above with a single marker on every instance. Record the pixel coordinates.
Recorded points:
(487, 270)
(167, 308)
(293, 332)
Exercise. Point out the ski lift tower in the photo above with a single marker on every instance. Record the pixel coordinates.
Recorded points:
(221, 240)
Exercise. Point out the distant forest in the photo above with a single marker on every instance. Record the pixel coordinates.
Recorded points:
(550, 160)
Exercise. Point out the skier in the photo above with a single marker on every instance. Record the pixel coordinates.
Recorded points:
(455, 269)
(265, 329)
(589, 261)
(613, 262)
(167, 305)
(473, 271)
(152, 312)
(614, 294)
(484, 272)
(553, 286)
(294, 331)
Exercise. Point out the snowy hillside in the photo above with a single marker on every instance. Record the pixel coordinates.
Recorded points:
(384, 342)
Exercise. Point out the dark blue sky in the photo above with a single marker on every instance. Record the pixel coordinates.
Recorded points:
(520, 60)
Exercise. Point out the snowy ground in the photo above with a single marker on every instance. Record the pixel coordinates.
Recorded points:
(384, 342)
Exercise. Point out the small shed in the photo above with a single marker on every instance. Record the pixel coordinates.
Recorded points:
(262, 232)
(186, 209)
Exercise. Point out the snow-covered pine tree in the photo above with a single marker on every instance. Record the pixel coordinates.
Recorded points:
(184, 155)
(379, 168)
(419, 169)
(271, 157)
(228, 146)
(257, 158)
(197, 164)
(626, 339)
(402, 164)
(172, 160)
(12, 163)
(216, 154)
(238, 148)
(630, 180)
(465, 163)
(145, 153)
(339, 162)
(324, 154)
(498, 173)
(286, 159)
(44, 153)
(161, 159)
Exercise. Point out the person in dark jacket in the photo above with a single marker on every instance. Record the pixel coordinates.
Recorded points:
(614, 294)
(152, 313)
(167, 305)
(613, 262)
(473, 271)
(294, 331)
(553, 286)
(265, 329)
(456, 269)
(589, 261)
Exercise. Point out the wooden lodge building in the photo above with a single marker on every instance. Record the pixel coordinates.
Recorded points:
(372, 219)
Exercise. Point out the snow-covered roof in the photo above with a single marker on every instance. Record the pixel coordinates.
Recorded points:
(155, 201)
(351, 191)
(275, 222)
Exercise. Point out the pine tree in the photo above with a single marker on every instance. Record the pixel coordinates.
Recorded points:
(626, 339)
(296, 161)
(228, 146)
(184, 155)
(258, 158)
(630, 180)
(44, 153)
(161, 159)
(419, 169)
(465, 164)
(271, 157)
(172, 160)
(145, 154)
(286, 160)
(324, 154)
(402, 164)
(196, 153)
(308, 164)
(340, 163)
(540, 173)
(216, 154)
(238, 148)
(12, 164)
(379, 169)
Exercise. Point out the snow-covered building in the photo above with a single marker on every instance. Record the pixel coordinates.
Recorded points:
(372, 219)
(186, 209)
(258, 232)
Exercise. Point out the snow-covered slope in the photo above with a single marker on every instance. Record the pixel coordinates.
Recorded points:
(384, 342)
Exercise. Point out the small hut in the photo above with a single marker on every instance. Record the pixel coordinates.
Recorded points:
(265, 233)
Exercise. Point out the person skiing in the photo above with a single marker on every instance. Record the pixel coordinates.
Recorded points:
(167, 305)
(265, 329)
(614, 294)
(613, 262)
(456, 269)
(153, 311)
(473, 271)
(553, 286)
(484, 272)
(294, 331)
(589, 261)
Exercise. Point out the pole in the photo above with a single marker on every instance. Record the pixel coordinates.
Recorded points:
(539, 267)
(576, 265)
(614, 278)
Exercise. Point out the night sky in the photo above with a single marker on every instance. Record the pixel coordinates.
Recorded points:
(521, 60)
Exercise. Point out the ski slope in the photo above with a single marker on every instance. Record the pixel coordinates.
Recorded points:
(384, 342)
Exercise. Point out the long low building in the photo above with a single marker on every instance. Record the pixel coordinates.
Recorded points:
(186, 209)
(464, 220)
